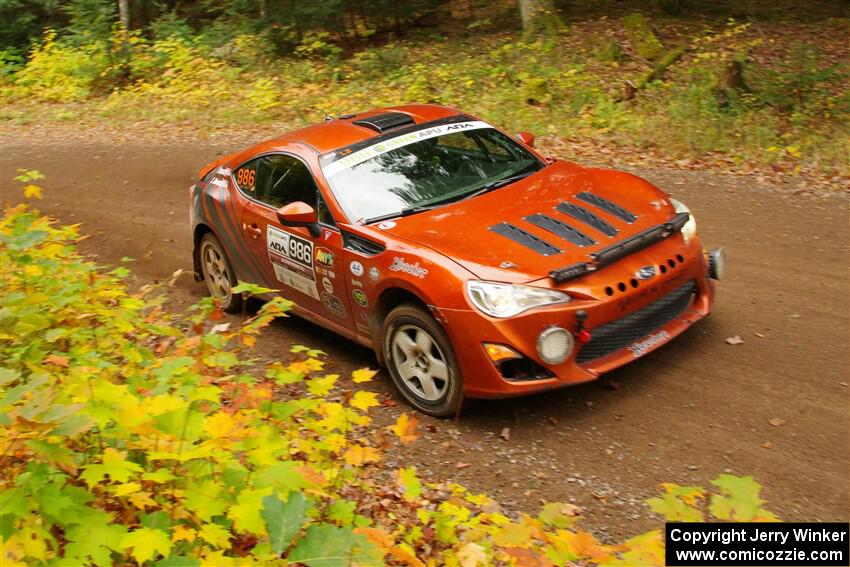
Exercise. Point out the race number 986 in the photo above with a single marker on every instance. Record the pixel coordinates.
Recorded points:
(246, 177)
(300, 250)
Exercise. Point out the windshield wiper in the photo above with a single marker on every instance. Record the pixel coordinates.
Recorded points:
(499, 183)
(401, 213)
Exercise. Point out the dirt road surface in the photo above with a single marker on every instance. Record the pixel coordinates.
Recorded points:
(774, 407)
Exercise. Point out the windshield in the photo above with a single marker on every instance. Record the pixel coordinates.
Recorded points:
(426, 168)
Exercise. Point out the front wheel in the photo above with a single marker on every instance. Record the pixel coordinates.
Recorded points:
(218, 274)
(421, 361)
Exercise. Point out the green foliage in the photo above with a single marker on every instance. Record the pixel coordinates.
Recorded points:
(642, 37)
(131, 435)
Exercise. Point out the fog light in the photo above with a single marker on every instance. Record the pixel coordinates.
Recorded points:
(554, 345)
(717, 264)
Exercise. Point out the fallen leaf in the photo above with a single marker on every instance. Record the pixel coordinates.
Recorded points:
(767, 445)
(759, 335)
(462, 465)
(220, 328)
(776, 421)
(57, 360)
(736, 340)
(506, 434)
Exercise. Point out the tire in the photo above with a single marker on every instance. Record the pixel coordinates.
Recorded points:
(421, 361)
(218, 273)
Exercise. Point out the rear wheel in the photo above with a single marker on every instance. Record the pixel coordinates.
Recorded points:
(421, 361)
(218, 274)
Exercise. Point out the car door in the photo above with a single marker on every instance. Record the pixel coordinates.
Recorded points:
(306, 269)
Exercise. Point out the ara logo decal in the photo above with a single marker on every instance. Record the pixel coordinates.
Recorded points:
(401, 265)
(360, 297)
(645, 272)
(324, 257)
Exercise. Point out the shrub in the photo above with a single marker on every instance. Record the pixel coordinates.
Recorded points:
(131, 435)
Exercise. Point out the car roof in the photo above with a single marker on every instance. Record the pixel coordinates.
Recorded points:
(341, 132)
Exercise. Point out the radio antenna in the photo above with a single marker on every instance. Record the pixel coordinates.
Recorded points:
(328, 117)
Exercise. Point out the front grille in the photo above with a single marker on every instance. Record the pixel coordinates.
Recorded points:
(635, 326)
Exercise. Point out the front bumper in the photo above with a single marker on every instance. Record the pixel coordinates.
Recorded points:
(630, 322)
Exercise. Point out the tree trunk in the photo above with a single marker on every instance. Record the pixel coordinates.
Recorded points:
(124, 13)
(539, 16)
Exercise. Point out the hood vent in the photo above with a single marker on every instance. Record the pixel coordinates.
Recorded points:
(587, 217)
(386, 121)
(606, 206)
(561, 229)
(525, 238)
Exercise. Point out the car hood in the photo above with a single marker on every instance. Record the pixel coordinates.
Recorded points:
(508, 235)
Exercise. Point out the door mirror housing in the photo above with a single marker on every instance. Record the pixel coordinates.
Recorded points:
(299, 213)
(526, 138)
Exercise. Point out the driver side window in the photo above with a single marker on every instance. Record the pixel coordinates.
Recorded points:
(277, 180)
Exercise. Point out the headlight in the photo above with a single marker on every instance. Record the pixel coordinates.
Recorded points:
(689, 230)
(503, 300)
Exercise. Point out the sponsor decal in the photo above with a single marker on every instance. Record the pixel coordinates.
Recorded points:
(326, 272)
(364, 316)
(507, 264)
(246, 178)
(374, 274)
(645, 272)
(356, 268)
(402, 265)
(327, 284)
(326, 234)
(219, 182)
(324, 257)
(385, 146)
(386, 225)
(356, 283)
(363, 328)
(225, 171)
(292, 260)
(333, 304)
(640, 348)
(360, 297)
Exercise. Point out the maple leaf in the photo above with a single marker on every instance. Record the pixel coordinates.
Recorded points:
(284, 519)
(113, 464)
(32, 191)
(363, 375)
(739, 500)
(321, 386)
(182, 533)
(364, 400)
(146, 543)
(142, 500)
(358, 455)
(245, 514)
(215, 535)
(472, 555)
(329, 546)
(410, 483)
(405, 428)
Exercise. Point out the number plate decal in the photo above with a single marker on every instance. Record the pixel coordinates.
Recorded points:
(292, 259)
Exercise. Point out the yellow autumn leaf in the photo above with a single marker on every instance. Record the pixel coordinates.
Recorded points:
(215, 535)
(182, 533)
(472, 555)
(220, 425)
(405, 428)
(358, 455)
(142, 500)
(363, 375)
(32, 192)
(364, 400)
(126, 488)
(321, 386)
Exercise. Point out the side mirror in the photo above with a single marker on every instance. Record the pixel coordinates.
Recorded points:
(299, 213)
(526, 138)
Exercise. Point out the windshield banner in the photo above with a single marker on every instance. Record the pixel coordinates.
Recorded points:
(398, 142)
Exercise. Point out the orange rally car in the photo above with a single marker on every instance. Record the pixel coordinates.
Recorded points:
(471, 264)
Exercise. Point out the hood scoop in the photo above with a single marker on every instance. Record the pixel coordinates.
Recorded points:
(607, 206)
(561, 229)
(527, 239)
(585, 216)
